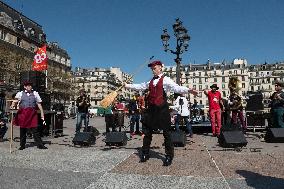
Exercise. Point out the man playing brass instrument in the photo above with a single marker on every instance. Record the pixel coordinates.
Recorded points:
(235, 104)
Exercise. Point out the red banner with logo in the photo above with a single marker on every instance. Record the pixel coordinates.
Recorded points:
(40, 59)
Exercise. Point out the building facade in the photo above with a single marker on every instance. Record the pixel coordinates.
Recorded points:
(252, 77)
(19, 39)
(99, 82)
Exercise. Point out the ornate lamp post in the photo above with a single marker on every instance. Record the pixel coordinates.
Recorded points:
(182, 40)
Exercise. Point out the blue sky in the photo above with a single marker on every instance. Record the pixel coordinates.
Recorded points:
(125, 33)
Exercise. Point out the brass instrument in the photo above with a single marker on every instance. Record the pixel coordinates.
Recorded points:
(234, 87)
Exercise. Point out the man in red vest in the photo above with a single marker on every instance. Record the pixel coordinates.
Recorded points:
(157, 115)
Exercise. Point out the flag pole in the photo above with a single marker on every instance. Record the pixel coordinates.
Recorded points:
(46, 79)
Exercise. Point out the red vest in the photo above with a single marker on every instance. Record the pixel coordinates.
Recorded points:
(156, 93)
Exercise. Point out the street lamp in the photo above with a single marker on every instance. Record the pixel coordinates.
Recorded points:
(182, 40)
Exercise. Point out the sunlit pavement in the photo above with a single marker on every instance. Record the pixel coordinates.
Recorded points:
(202, 163)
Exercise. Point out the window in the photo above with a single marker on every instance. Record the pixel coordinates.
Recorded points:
(200, 87)
(200, 102)
(200, 81)
(243, 85)
(223, 79)
(235, 72)
(194, 87)
(223, 86)
(243, 78)
(224, 93)
(252, 88)
(3, 35)
(206, 86)
(206, 79)
(199, 73)
(193, 80)
(215, 79)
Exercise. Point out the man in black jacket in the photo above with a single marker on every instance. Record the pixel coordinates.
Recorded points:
(83, 104)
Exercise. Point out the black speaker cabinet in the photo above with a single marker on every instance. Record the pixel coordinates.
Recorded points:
(275, 135)
(84, 139)
(178, 138)
(37, 77)
(232, 139)
(116, 139)
(255, 102)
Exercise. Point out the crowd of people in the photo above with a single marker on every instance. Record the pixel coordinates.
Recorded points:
(148, 111)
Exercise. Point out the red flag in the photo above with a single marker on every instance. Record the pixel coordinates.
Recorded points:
(40, 59)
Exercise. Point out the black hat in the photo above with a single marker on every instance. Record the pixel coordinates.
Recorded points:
(214, 86)
(154, 63)
(27, 82)
(280, 83)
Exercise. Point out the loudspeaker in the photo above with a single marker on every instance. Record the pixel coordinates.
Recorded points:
(36, 77)
(93, 130)
(275, 135)
(84, 139)
(178, 138)
(255, 102)
(232, 139)
(116, 139)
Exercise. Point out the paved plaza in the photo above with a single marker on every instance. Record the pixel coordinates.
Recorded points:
(202, 163)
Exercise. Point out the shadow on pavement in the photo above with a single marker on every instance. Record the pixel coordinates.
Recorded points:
(259, 181)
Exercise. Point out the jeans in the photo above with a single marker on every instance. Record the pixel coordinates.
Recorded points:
(278, 117)
(80, 118)
(134, 119)
(186, 120)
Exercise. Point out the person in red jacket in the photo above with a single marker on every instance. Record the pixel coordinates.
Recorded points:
(215, 105)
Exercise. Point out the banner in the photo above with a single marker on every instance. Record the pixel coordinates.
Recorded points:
(40, 59)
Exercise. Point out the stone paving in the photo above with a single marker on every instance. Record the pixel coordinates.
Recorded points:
(202, 163)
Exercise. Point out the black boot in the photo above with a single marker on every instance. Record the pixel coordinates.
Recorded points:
(144, 158)
(22, 147)
(168, 161)
(41, 147)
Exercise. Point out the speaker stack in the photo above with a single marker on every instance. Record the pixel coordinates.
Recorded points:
(255, 102)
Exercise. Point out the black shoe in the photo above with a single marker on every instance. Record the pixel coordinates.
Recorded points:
(144, 158)
(42, 147)
(22, 147)
(168, 161)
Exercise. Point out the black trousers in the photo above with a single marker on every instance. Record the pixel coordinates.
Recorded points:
(169, 147)
(23, 136)
(109, 119)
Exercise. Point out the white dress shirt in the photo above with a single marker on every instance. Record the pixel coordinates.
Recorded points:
(181, 109)
(168, 84)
